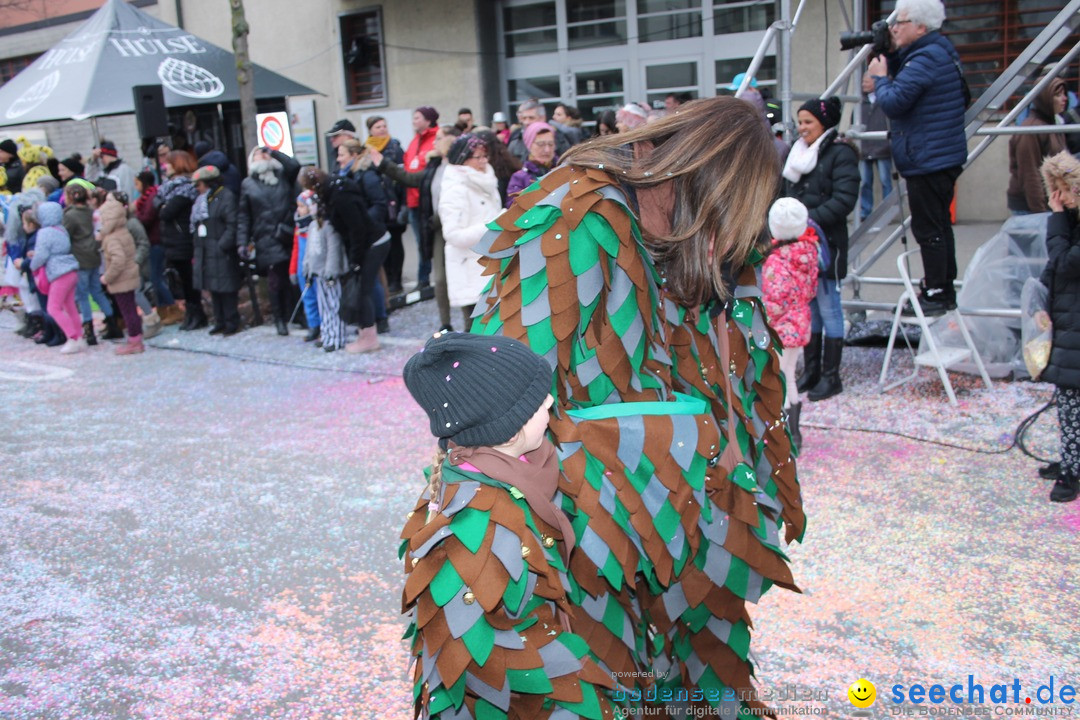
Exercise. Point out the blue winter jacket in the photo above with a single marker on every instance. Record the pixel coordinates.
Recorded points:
(53, 246)
(924, 99)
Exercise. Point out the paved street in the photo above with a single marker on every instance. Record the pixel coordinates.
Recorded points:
(209, 530)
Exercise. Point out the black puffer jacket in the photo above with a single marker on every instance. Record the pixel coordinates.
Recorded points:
(175, 216)
(429, 219)
(345, 207)
(1062, 278)
(217, 262)
(266, 213)
(830, 192)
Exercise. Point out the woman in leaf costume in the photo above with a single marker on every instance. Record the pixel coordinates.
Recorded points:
(633, 270)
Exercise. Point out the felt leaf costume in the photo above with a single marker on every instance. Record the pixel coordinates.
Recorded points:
(679, 475)
(487, 586)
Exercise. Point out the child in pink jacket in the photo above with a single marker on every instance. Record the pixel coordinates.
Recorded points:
(789, 283)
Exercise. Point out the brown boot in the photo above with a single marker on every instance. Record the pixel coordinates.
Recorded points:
(133, 346)
(170, 314)
(367, 342)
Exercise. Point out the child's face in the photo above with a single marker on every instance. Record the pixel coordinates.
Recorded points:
(302, 209)
(533, 432)
(1067, 195)
(29, 226)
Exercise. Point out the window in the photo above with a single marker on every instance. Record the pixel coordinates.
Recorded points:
(668, 19)
(661, 80)
(727, 69)
(990, 35)
(595, 23)
(529, 29)
(362, 58)
(734, 16)
(11, 67)
(598, 91)
(545, 89)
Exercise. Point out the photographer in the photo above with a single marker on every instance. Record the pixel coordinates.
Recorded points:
(921, 90)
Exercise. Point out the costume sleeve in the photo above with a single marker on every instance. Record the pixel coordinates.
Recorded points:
(483, 584)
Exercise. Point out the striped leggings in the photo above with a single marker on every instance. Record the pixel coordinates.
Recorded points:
(328, 295)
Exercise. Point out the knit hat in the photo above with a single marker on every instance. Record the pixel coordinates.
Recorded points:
(429, 113)
(463, 147)
(48, 184)
(8, 145)
(529, 134)
(205, 174)
(109, 148)
(826, 110)
(787, 219)
(477, 390)
(74, 166)
(201, 148)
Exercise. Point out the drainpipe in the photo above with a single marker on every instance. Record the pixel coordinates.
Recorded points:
(179, 14)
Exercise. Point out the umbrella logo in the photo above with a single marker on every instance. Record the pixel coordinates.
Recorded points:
(34, 95)
(188, 79)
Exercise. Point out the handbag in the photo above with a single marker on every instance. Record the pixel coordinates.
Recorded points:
(41, 279)
(1036, 328)
(12, 276)
(352, 299)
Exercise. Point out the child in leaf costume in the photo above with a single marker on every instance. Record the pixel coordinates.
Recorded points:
(633, 270)
(486, 547)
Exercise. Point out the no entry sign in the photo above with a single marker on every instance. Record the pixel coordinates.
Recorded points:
(274, 131)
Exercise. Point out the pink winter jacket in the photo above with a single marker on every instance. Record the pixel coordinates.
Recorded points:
(789, 283)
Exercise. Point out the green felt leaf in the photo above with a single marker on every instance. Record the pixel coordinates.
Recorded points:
(538, 215)
(666, 522)
(534, 682)
(470, 526)
(684, 557)
(403, 546)
(613, 617)
(743, 312)
(440, 699)
(541, 338)
(624, 317)
(574, 643)
(515, 590)
(480, 640)
(601, 232)
(532, 286)
(738, 576)
(583, 250)
(612, 570)
(695, 475)
(445, 585)
(744, 477)
(589, 707)
(487, 711)
(409, 631)
(739, 639)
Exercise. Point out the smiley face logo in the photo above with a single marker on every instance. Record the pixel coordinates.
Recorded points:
(862, 693)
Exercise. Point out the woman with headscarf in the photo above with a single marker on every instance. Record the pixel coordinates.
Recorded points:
(631, 116)
(539, 138)
(217, 260)
(173, 200)
(633, 270)
(264, 225)
(822, 171)
(469, 200)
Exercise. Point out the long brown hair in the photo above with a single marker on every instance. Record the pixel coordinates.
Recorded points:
(723, 168)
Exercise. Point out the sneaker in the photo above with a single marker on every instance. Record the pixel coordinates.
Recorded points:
(933, 303)
(1065, 489)
(72, 346)
(1050, 471)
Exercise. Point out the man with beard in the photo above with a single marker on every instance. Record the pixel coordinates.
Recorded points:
(265, 224)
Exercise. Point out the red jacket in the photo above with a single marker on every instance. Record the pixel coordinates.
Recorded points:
(416, 160)
(147, 213)
(788, 284)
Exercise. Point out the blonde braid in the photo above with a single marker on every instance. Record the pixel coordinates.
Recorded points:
(435, 484)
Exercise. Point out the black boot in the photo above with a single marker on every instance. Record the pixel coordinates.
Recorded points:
(793, 413)
(1050, 471)
(282, 326)
(32, 327)
(811, 364)
(830, 371)
(198, 318)
(49, 331)
(313, 334)
(88, 333)
(1066, 488)
(59, 337)
(112, 328)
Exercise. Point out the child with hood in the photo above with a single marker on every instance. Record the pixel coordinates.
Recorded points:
(52, 251)
(121, 274)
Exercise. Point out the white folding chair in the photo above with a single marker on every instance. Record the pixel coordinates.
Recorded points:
(937, 357)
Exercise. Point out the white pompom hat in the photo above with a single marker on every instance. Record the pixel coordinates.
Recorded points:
(787, 219)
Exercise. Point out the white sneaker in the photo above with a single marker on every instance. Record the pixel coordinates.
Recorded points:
(73, 346)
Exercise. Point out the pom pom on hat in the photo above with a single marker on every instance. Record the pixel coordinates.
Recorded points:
(787, 219)
(826, 110)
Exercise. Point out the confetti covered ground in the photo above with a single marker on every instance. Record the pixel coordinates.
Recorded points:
(209, 530)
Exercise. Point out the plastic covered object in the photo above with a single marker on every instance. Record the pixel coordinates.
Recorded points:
(1036, 328)
(994, 280)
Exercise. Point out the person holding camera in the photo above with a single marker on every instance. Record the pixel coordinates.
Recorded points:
(920, 87)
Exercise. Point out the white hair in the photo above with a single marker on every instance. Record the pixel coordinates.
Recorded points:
(930, 13)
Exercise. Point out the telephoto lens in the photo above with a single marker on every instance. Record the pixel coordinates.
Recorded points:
(877, 35)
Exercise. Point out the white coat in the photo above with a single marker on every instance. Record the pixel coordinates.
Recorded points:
(468, 201)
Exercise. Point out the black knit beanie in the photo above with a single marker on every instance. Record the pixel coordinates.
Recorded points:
(477, 390)
(8, 145)
(827, 110)
(74, 166)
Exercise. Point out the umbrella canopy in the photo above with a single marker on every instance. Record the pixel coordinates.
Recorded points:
(91, 72)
